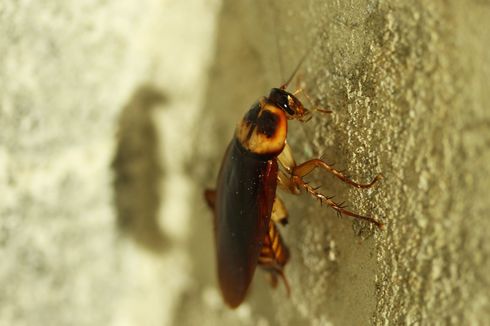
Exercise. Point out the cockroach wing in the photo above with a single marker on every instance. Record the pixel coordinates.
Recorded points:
(244, 197)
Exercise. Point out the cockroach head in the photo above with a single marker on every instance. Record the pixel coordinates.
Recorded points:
(289, 103)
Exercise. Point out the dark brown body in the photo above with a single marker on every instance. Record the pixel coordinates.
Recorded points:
(245, 194)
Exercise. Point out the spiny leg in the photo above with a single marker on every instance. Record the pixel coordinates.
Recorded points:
(274, 269)
(286, 159)
(339, 207)
(300, 89)
(305, 168)
(295, 181)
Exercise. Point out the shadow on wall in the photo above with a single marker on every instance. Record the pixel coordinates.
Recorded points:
(137, 171)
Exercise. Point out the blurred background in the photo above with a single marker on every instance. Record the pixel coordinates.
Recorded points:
(114, 116)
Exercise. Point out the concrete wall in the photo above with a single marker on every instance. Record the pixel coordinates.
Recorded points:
(114, 118)
(92, 95)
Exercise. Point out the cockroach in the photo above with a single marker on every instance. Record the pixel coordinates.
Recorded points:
(245, 205)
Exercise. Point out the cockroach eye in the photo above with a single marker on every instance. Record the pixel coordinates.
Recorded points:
(281, 99)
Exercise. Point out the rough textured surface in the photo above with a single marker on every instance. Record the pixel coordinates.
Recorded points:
(408, 83)
(110, 131)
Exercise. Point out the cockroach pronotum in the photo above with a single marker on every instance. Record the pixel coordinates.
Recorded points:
(245, 205)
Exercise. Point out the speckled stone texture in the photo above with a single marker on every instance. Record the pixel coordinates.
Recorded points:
(408, 83)
(113, 120)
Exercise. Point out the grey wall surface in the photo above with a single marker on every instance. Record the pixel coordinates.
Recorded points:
(114, 117)
(408, 83)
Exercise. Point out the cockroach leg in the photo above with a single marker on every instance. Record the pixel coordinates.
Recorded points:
(295, 181)
(286, 159)
(272, 279)
(210, 196)
(300, 89)
(339, 207)
(279, 212)
(271, 266)
(285, 280)
(308, 166)
(284, 181)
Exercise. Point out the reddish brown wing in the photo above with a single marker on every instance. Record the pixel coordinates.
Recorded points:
(244, 196)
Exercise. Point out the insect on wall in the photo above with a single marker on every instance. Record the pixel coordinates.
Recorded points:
(245, 204)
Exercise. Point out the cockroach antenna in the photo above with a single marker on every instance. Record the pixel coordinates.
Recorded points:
(280, 60)
(301, 61)
(285, 85)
